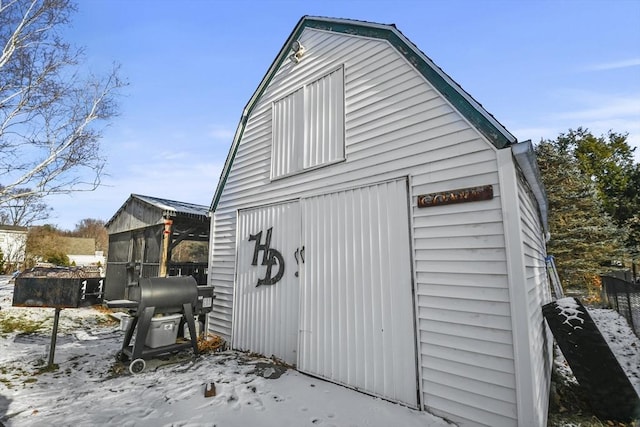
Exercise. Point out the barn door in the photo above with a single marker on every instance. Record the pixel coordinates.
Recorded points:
(356, 313)
(266, 298)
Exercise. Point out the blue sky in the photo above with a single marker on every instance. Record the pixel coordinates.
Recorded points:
(540, 67)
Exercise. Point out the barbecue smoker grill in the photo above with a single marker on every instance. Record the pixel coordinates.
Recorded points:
(161, 296)
(57, 288)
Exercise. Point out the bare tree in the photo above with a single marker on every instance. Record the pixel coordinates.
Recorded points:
(95, 229)
(23, 211)
(50, 109)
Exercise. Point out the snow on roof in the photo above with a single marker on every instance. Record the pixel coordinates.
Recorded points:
(169, 208)
(174, 205)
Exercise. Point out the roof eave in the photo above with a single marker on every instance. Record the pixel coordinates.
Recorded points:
(526, 159)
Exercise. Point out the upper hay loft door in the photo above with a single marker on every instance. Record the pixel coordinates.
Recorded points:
(308, 126)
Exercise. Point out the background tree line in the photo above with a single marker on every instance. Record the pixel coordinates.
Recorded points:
(46, 243)
(593, 188)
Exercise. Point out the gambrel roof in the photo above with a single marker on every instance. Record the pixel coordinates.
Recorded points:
(468, 107)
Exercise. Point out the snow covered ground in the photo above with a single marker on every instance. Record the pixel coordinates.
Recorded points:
(624, 344)
(622, 341)
(91, 388)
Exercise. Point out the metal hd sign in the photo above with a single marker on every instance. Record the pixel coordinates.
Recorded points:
(270, 257)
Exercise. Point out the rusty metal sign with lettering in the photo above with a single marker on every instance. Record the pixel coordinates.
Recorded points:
(463, 195)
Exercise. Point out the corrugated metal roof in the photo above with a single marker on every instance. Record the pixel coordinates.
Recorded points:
(169, 208)
(174, 206)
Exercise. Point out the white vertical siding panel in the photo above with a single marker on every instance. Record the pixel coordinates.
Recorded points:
(266, 316)
(357, 245)
(288, 131)
(308, 126)
(324, 134)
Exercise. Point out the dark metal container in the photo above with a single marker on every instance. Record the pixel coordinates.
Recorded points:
(205, 300)
(57, 292)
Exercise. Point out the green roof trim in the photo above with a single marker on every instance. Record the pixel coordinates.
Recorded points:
(486, 124)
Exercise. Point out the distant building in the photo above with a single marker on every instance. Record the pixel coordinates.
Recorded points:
(13, 243)
(82, 251)
(155, 237)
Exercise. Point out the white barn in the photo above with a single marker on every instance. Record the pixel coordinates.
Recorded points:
(376, 227)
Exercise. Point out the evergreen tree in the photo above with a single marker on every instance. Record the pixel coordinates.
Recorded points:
(608, 161)
(632, 224)
(584, 239)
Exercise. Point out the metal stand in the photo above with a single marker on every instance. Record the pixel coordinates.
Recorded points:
(54, 335)
(138, 351)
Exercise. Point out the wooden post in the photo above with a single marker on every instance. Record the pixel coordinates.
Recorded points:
(166, 241)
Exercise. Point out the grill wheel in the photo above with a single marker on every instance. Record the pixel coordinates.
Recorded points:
(137, 366)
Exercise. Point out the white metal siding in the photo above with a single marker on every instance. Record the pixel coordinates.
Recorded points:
(324, 118)
(266, 316)
(356, 317)
(538, 293)
(288, 134)
(222, 261)
(396, 124)
(308, 126)
(525, 261)
(464, 303)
